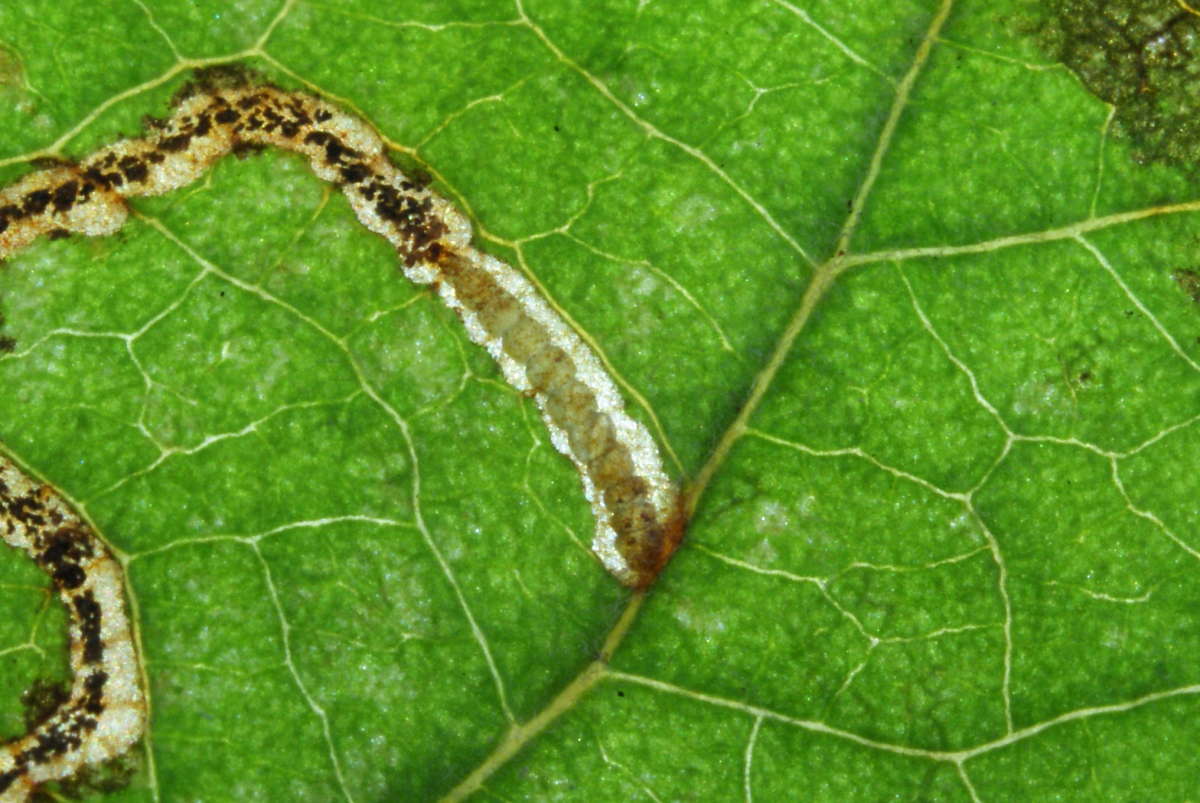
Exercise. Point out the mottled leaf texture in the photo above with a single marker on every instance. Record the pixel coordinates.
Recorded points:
(913, 320)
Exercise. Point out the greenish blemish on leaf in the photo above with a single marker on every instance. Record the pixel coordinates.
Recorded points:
(16, 95)
(1140, 56)
(1189, 282)
(11, 72)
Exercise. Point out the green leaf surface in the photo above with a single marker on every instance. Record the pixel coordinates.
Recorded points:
(903, 314)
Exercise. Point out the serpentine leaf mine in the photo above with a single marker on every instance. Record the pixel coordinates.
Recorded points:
(637, 509)
(105, 712)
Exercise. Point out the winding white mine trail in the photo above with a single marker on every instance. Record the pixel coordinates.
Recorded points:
(105, 712)
(638, 513)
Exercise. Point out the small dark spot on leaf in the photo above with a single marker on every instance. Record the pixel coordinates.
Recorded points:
(243, 149)
(420, 178)
(7, 344)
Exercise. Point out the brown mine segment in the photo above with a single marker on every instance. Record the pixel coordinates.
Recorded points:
(548, 371)
(573, 403)
(567, 401)
(524, 340)
(498, 313)
(600, 437)
(609, 465)
(640, 534)
(642, 540)
(661, 540)
(496, 309)
(627, 498)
